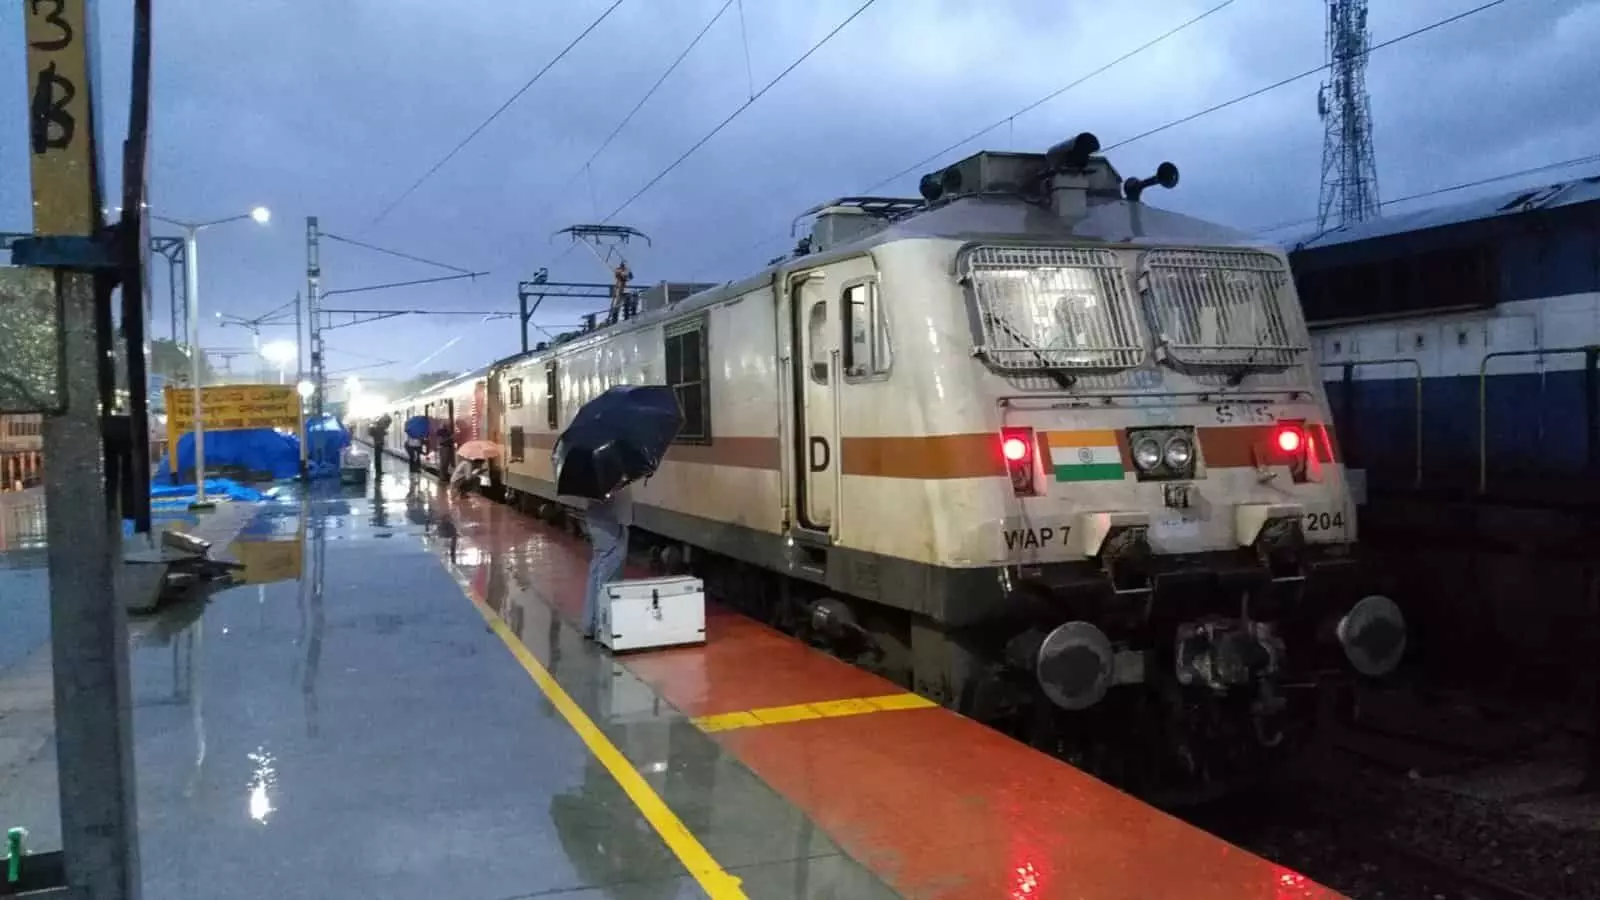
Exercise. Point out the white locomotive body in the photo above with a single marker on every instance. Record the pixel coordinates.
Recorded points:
(1048, 455)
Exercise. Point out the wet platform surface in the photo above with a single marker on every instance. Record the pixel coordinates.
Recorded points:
(360, 731)
(397, 706)
(935, 805)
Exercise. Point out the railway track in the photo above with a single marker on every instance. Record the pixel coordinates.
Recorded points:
(1369, 833)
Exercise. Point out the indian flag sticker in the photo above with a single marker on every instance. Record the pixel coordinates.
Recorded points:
(1085, 455)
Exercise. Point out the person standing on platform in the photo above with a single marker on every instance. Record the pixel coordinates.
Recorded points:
(607, 522)
(414, 454)
(378, 432)
(447, 450)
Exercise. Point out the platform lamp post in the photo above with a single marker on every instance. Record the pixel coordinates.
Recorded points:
(191, 277)
(280, 354)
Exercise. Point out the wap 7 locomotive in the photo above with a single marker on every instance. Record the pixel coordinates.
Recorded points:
(1053, 457)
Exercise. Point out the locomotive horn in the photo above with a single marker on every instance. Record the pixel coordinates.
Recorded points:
(1166, 176)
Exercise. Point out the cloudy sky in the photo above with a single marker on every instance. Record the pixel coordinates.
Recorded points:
(333, 108)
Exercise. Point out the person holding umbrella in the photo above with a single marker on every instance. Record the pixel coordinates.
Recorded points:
(474, 456)
(416, 429)
(377, 432)
(607, 521)
(616, 439)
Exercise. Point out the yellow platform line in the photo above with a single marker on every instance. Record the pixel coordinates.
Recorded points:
(800, 712)
(715, 880)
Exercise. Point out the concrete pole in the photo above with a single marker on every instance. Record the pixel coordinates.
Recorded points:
(191, 278)
(299, 375)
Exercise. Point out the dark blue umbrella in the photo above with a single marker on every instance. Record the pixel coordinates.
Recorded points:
(618, 437)
(417, 428)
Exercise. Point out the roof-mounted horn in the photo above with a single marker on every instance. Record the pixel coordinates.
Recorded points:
(1166, 176)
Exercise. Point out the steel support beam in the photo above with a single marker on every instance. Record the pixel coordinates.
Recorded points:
(540, 287)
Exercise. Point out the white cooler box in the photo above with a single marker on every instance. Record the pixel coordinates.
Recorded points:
(653, 612)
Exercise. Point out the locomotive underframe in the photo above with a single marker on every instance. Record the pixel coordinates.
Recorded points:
(1214, 665)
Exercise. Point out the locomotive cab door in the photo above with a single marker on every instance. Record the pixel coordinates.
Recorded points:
(816, 358)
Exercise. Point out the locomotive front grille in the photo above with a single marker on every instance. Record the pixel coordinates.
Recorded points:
(1221, 308)
(1053, 309)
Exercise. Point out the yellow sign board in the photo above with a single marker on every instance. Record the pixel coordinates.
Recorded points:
(60, 121)
(266, 561)
(233, 407)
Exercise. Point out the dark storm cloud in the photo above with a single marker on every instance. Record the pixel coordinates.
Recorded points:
(334, 108)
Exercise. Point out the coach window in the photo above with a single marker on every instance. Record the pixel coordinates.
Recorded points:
(866, 333)
(686, 375)
(816, 339)
(551, 401)
(514, 393)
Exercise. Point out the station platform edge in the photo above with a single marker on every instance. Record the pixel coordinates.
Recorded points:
(935, 805)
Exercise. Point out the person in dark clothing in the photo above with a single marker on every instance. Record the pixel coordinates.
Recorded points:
(447, 450)
(378, 432)
(414, 454)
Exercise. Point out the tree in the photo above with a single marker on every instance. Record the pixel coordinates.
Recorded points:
(423, 382)
(170, 359)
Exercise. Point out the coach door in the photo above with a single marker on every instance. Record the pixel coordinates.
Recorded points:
(816, 358)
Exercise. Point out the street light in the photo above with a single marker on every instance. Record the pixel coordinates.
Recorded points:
(280, 354)
(191, 277)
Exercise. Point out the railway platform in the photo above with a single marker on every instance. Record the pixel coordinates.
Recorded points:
(928, 803)
(396, 704)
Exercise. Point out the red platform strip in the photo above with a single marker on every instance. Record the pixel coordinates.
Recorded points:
(935, 804)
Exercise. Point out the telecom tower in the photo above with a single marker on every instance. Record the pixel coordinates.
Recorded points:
(1349, 169)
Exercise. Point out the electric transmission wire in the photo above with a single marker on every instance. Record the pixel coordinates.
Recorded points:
(643, 100)
(1052, 95)
(1303, 75)
(494, 115)
(737, 112)
(396, 253)
(1158, 39)
(1480, 182)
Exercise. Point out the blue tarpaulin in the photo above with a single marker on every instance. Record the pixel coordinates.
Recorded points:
(263, 452)
(326, 438)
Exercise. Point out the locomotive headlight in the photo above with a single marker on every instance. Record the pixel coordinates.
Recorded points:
(1179, 453)
(1147, 454)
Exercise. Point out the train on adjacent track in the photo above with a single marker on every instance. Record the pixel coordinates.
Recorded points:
(1055, 458)
(1461, 344)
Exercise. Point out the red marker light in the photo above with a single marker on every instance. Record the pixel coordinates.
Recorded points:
(1289, 440)
(1014, 448)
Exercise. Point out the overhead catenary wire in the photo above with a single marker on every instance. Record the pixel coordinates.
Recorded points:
(1192, 116)
(737, 112)
(395, 253)
(495, 115)
(396, 284)
(1011, 118)
(1284, 82)
(586, 167)
(744, 37)
(1465, 185)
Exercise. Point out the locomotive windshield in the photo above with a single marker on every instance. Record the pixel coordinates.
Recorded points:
(1226, 308)
(1053, 308)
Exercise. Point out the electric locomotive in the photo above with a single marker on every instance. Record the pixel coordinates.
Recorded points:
(1053, 457)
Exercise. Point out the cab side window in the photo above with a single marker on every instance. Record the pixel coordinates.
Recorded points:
(867, 352)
